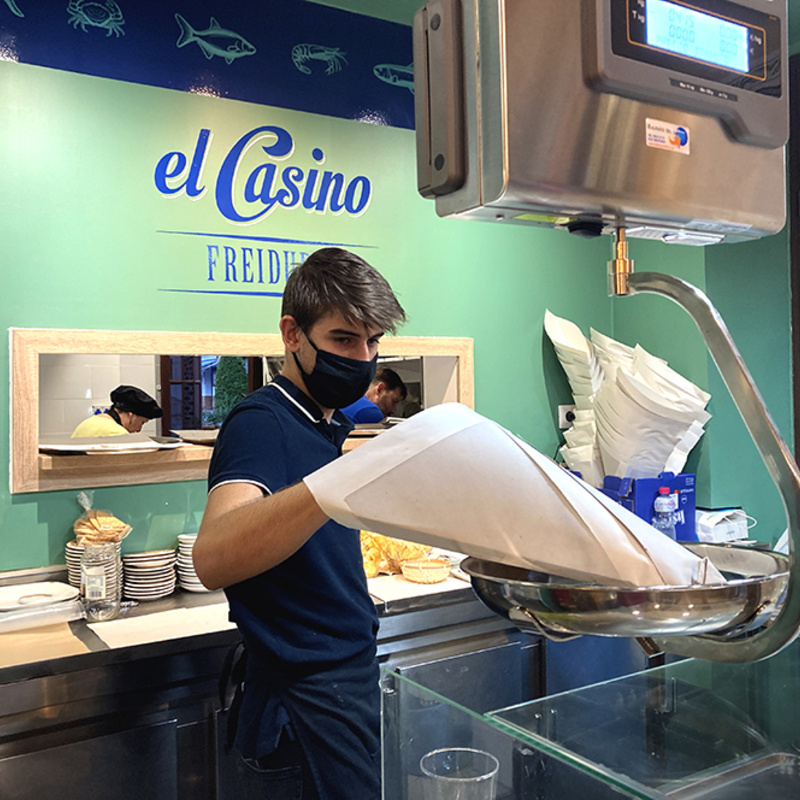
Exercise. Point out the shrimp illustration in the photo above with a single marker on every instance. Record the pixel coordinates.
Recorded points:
(14, 8)
(332, 56)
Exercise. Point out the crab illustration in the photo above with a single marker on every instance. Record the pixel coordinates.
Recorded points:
(332, 56)
(105, 14)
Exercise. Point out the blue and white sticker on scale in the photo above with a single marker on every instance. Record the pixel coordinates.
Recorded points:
(666, 136)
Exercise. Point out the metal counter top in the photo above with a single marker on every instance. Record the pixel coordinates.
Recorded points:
(158, 701)
(407, 621)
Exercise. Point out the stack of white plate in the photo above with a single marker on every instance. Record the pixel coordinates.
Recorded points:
(73, 554)
(23, 596)
(149, 575)
(187, 577)
(29, 605)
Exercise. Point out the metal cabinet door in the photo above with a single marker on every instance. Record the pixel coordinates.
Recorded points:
(137, 762)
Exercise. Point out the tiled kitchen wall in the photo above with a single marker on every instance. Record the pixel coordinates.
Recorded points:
(72, 386)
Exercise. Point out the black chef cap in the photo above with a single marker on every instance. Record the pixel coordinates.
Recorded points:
(129, 398)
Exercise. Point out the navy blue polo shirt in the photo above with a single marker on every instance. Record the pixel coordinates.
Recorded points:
(314, 607)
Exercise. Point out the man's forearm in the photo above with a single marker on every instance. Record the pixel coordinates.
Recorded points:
(236, 542)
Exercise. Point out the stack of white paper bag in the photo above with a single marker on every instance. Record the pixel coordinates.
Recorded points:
(610, 354)
(451, 478)
(585, 375)
(645, 417)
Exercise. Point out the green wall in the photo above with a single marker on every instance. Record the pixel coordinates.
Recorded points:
(749, 284)
(82, 250)
(79, 221)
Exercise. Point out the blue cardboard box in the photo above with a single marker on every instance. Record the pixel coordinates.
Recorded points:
(639, 494)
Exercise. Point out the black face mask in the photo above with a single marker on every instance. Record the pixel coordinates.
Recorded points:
(336, 381)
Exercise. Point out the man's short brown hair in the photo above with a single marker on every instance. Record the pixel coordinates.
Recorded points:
(391, 380)
(333, 279)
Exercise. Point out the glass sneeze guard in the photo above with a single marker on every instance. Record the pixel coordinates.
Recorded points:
(688, 730)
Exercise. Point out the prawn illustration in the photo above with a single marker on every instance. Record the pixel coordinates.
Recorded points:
(396, 74)
(14, 8)
(332, 56)
(214, 40)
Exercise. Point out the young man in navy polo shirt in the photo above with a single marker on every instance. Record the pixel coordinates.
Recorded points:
(308, 725)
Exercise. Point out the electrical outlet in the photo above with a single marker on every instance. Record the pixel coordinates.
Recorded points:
(566, 416)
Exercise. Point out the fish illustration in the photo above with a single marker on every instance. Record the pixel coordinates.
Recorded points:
(14, 8)
(396, 74)
(214, 40)
(332, 56)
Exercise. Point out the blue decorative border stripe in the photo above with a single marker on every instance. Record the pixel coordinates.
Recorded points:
(284, 53)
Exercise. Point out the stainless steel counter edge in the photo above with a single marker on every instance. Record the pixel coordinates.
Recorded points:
(404, 624)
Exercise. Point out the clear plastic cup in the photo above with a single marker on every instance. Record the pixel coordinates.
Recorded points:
(459, 773)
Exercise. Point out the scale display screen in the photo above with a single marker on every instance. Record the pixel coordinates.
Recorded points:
(713, 40)
(695, 34)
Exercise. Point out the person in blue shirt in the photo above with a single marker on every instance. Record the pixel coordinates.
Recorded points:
(380, 400)
(308, 723)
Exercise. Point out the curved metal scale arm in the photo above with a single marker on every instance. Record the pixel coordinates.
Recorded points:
(777, 458)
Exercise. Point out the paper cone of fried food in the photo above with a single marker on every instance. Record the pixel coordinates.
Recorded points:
(449, 477)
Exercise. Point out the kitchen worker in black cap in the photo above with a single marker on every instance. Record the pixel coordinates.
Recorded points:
(130, 409)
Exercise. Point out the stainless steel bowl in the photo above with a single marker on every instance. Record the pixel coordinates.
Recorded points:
(560, 608)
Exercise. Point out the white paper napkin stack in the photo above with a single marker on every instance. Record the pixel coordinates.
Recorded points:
(611, 354)
(451, 478)
(648, 419)
(585, 375)
(646, 416)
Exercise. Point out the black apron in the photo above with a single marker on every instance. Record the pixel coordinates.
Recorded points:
(332, 710)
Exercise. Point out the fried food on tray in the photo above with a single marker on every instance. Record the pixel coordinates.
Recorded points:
(385, 554)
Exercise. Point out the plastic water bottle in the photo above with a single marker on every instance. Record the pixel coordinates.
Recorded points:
(101, 581)
(665, 506)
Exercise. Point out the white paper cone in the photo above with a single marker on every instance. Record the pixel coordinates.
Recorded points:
(451, 478)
